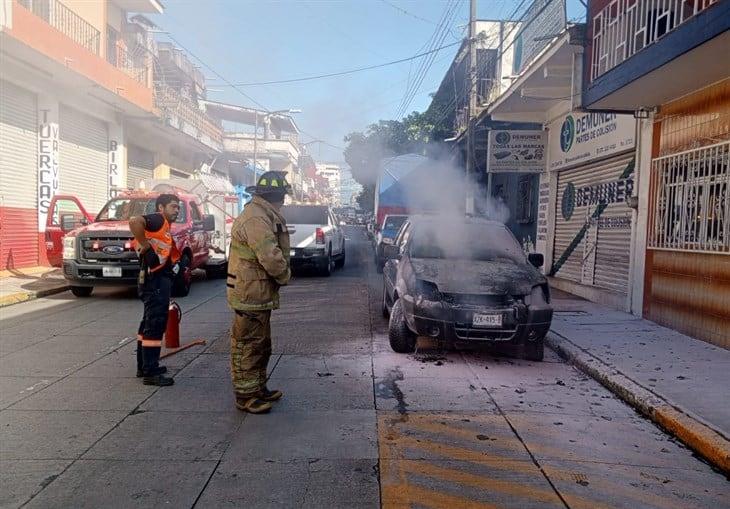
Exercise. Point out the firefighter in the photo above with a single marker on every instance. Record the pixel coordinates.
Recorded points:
(159, 264)
(258, 265)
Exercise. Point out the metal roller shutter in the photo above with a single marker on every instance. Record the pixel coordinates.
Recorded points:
(18, 177)
(140, 166)
(607, 266)
(84, 158)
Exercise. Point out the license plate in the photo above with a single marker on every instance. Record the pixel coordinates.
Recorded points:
(487, 320)
(111, 271)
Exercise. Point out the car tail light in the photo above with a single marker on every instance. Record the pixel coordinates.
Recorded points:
(320, 236)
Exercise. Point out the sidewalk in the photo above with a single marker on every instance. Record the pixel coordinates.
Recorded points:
(19, 285)
(677, 381)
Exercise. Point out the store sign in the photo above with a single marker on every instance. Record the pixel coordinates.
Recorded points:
(542, 21)
(581, 137)
(605, 193)
(517, 151)
(116, 185)
(48, 169)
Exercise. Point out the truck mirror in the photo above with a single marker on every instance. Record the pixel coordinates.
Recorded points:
(208, 222)
(68, 222)
(391, 252)
(536, 259)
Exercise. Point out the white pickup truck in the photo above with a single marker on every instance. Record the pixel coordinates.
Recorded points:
(317, 241)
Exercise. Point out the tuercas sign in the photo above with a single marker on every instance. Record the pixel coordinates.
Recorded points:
(582, 137)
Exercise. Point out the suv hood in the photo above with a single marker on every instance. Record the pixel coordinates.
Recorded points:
(503, 277)
(103, 226)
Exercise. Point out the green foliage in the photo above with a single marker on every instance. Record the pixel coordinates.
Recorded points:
(418, 133)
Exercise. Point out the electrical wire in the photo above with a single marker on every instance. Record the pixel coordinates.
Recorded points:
(341, 73)
(437, 38)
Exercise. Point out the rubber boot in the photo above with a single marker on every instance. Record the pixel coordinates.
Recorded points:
(158, 380)
(266, 395)
(252, 405)
(161, 370)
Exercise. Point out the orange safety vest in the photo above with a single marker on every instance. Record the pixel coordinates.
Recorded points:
(163, 244)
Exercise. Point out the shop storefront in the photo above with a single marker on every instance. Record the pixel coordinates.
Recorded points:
(592, 159)
(687, 283)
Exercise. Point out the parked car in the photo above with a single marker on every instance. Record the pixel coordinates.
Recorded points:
(100, 251)
(385, 236)
(464, 282)
(317, 240)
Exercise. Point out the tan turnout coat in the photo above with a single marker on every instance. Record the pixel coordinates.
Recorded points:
(258, 263)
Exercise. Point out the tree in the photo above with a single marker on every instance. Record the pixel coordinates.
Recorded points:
(419, 133)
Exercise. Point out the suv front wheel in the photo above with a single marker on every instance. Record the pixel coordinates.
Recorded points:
(402, 339)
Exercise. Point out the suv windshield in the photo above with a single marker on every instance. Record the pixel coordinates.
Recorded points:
(481, 242)
(394, 222)
(302, 214)
(122, 209)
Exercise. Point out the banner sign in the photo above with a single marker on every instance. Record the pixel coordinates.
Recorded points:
(517, 151)
(582, 137)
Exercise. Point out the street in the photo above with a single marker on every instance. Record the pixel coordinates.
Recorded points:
(359, 425)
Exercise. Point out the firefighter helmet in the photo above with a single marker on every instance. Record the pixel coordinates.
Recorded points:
(271, 182)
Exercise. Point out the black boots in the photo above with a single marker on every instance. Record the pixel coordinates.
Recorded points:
(158, 380)
(161, 370)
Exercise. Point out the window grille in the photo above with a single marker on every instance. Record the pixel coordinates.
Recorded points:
(689, 200)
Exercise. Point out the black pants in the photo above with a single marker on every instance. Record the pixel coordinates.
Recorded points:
(155, 295)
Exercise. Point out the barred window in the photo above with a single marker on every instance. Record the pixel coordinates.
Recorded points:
(689, 200)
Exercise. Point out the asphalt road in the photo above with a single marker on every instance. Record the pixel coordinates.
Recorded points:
(359, 425)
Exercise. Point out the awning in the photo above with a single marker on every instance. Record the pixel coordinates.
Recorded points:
(248, 116)
(546, 84)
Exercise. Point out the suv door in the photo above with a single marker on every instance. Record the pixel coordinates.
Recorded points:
(390, 270)
(198, 235)
(65, 213)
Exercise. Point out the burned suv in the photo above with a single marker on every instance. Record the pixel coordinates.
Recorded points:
(464, 279)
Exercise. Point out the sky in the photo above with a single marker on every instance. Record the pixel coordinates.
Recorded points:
(247, 41)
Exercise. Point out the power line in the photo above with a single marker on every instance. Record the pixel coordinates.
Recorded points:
(341, 73)
(407, 13)
(436, 39)
(238, 89)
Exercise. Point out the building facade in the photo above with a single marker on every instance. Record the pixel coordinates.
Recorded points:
(82, 112)
(331, 172)
(667, 62)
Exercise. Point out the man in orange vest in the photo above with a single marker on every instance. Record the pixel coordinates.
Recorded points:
(159, 259)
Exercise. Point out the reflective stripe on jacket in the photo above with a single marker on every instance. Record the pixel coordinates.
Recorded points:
(258, 263)
(163, 244)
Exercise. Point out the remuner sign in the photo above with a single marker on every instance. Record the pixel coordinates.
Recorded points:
(582, 137)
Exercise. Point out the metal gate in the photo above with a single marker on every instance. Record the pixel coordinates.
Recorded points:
(18, 177)
(593, 224)
(84, 158)
(140, 166)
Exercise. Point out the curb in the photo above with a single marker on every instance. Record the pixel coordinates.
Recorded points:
(699, 437)
(18, 297)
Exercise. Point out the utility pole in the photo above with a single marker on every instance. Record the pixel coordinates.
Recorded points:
(471, 108)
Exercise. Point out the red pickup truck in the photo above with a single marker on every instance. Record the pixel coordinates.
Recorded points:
(99, 251)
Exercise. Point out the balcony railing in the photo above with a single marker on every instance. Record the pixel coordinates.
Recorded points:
(625, 27)
(136, 64)
(65, 20)
(188, 116)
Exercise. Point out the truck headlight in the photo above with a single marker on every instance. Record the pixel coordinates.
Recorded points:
(538, 296)
(69, 248)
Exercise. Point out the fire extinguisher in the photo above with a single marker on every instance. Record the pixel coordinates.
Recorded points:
(172, 332)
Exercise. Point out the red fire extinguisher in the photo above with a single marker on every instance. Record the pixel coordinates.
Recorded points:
(172, 333)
